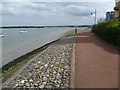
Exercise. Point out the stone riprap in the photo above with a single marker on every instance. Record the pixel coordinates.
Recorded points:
(52, 68)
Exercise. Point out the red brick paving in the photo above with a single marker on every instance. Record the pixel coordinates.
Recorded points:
(96, 62)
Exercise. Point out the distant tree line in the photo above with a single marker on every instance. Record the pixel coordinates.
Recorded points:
(44, 26)
(22, 27)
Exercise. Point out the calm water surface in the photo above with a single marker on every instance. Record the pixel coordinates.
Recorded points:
(16, 43)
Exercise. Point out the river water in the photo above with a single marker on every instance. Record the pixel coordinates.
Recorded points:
(16, 43)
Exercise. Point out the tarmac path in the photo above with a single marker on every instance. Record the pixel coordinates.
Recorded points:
(96, 64)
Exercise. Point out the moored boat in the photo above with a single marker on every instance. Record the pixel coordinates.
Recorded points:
(23, 31)
(1, 35)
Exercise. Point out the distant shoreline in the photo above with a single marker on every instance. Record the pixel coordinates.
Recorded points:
(44, 26)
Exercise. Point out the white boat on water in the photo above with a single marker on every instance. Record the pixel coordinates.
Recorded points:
(23, 31)
(1, 35)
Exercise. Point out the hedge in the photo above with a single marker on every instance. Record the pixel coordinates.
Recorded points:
(108, 31)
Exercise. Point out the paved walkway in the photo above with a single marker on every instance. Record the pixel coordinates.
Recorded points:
(96, 62)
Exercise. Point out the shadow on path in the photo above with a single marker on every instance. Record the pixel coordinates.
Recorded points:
(96, 62)
(87, 37)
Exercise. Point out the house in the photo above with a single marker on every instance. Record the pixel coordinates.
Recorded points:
(110, 15)
(117, 9)
(114, 16)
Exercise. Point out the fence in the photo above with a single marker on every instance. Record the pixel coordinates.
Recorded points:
(117, 19)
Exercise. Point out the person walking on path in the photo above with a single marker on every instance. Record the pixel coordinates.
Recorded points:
(75, 31)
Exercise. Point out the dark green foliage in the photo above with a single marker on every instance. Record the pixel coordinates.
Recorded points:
(108, 31)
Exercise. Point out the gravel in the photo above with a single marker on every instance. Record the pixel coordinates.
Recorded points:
(52, 69)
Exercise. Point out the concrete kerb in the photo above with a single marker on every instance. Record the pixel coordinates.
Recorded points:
(72, 81)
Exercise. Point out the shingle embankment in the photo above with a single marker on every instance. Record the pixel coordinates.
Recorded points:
(51, 69)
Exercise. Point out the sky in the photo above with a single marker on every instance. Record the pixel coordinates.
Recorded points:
(40, 13)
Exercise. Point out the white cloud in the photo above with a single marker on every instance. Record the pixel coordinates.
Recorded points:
(9, 11)
(49, 13)
(76, 10)
(57, 0)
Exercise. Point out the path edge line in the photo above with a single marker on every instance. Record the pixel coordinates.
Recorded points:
(72, 79)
